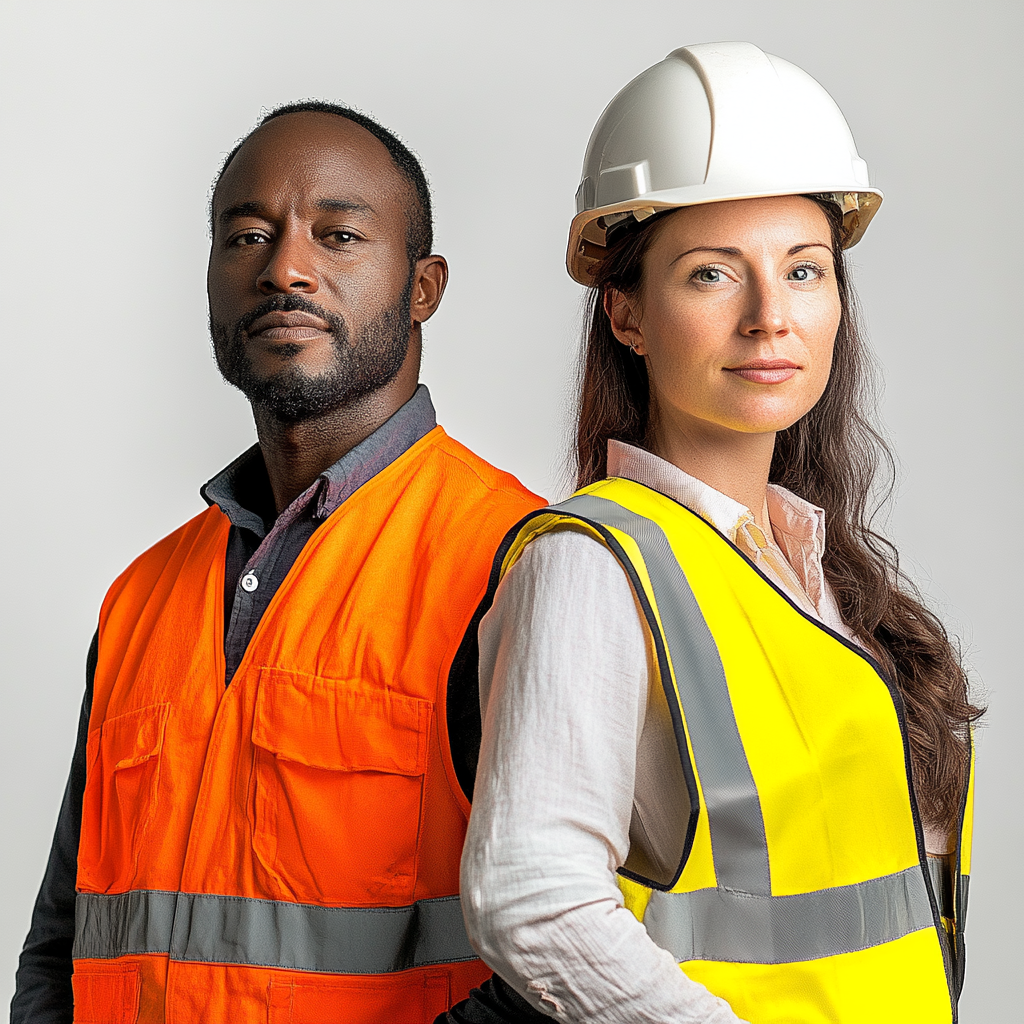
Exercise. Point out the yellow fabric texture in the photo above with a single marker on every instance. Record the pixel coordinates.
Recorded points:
(826, 749)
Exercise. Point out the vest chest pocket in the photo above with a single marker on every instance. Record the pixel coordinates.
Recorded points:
(120, 799)
(338, 786)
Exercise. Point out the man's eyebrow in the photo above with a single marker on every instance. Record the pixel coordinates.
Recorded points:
(240, 210)
(256, 209)
(344, 206)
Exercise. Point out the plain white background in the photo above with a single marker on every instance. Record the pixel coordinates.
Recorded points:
(115, 117)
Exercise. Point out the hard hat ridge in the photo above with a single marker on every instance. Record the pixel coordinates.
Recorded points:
(713, 122)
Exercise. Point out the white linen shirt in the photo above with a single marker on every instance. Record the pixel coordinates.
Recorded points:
(568, 698)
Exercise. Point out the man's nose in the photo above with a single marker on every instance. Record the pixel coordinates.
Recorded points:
(290, 267)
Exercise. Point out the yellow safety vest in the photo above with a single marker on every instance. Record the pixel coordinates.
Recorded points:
(802, 894)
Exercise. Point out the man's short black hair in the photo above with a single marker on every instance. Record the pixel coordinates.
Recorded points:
(420, 238)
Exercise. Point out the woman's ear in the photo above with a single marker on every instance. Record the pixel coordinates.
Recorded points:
(624, 319)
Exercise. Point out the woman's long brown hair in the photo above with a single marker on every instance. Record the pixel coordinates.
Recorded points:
(831, 457)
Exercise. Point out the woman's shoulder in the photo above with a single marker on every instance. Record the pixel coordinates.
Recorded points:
(567, 580)
(570, 552)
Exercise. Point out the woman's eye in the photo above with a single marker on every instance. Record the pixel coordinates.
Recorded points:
(708, 275)
(804, 275)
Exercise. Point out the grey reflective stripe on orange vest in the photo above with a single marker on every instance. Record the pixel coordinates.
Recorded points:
(736, 927)
(738, 843)
(269, 933)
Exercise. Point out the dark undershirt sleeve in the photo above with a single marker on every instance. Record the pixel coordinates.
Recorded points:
(43, 987)
(462, 704)
(494, 1002)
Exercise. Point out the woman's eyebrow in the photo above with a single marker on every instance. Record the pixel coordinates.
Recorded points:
(731, 250)
(809, 245)
(723, 250)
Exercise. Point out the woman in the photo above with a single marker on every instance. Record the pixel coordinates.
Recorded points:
(721, 733)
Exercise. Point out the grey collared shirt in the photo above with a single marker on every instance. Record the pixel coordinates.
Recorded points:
(262, 548)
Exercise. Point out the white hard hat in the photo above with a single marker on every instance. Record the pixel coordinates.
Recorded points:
(712, 122)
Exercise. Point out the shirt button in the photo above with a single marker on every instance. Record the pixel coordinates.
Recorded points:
(249, 582)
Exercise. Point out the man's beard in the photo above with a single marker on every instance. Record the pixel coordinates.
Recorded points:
(360, 366)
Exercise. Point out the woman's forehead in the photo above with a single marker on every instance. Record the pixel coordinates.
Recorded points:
(769, 222)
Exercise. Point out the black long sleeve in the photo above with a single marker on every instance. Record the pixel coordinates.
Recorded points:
(43, 988)
(494, 1002)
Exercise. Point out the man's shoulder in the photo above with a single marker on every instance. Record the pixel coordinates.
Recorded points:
(477, 480)
(204, 528)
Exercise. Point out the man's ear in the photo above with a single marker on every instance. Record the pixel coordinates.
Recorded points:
(429, 278)
(625, 319)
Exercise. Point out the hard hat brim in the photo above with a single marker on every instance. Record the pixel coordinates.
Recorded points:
(586, 249)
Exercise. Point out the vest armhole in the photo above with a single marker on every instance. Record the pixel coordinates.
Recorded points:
(606, 537)
(665, 676)
(460, 726)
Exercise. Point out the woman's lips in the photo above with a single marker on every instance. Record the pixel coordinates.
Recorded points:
(765, 371)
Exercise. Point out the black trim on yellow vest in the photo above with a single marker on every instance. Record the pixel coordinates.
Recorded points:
(961, 885)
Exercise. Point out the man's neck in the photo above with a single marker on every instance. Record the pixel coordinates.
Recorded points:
(295, 454)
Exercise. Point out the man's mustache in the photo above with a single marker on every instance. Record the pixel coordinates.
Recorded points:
(291, 304)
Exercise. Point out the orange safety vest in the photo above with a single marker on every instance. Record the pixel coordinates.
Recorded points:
(287, 848)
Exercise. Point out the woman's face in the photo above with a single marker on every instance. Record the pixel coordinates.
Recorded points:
(736, 316)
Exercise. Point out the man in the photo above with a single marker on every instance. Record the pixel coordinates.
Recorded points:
(264, 816)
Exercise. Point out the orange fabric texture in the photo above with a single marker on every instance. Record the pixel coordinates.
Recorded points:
(322, 774)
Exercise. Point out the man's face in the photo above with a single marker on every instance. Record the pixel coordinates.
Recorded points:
(309, 278)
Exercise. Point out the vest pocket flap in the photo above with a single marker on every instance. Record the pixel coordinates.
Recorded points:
(133, 738)
(340, 724)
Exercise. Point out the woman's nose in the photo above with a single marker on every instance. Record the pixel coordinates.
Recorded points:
(767, 313)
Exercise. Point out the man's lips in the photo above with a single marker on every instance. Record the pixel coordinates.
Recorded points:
(765, 371)
(293, 326)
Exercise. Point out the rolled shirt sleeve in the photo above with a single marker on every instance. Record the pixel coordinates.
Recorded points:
(564, 685)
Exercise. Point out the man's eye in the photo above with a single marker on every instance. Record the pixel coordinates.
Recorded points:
(250, 238)
(342, 237)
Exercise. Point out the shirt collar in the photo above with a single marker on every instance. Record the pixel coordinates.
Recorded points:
(724, 513)
(242, 489)
(788, 513)
(796, 518)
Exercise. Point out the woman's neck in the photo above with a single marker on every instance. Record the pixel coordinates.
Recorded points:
(735, 463)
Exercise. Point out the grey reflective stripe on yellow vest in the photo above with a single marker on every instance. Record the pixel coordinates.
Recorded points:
(740, 921)
(269, 933)
(730, 796)
(720, 924)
